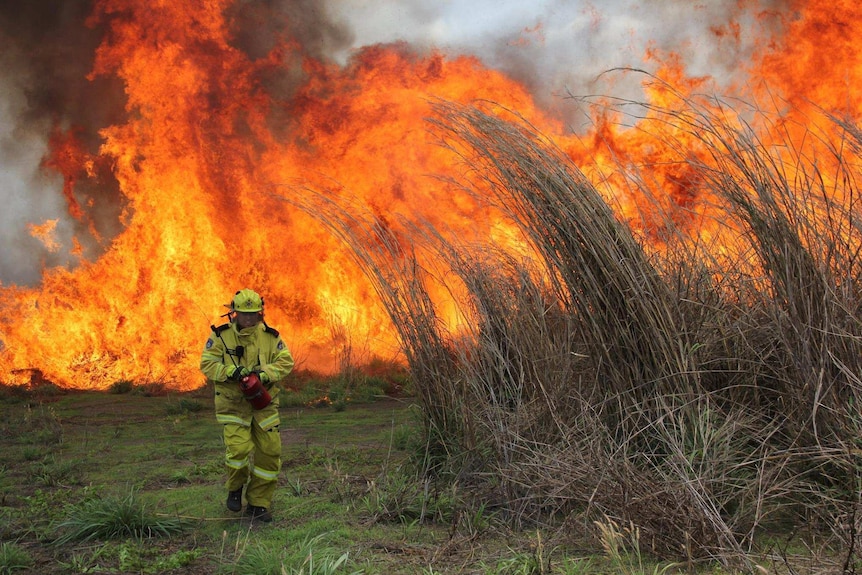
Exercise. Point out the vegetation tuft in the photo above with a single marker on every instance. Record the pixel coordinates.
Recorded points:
(121, 386)
(184, 406)
(114, 517)
(312, 556)
(13, 558)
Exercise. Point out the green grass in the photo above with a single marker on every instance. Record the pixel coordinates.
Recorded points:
(314, 555)
(133, 485)
(13, 558)
(129, 556)
(115, 517)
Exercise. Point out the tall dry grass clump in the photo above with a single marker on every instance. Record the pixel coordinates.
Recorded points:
(622, 419)
(796, 198)
(703, 394)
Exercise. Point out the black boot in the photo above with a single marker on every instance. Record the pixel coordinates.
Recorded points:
(256, 513)
(234, 500)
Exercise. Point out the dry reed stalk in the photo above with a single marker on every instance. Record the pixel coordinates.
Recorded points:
(690, 393)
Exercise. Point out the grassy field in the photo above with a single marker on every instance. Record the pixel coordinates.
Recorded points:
(98, 482)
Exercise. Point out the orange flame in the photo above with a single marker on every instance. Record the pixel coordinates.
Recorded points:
(212, 136)
(45, 233)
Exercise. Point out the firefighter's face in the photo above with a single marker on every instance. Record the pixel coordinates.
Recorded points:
(246, 319)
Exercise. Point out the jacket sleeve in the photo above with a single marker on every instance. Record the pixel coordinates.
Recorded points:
(212, 359)
(281, 362)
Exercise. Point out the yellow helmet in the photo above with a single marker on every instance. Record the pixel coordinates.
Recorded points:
(246, 300)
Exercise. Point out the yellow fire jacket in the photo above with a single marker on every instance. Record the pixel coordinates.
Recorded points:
(259, 348)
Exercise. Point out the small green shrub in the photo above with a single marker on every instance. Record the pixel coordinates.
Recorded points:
(180, 476)
(152, 389)
(401, 497)
(520, 563)
(120, 387)
(339, 405)
(312, 557)
(46, 506)
(139, 557)
(47, 389)
(178, 560)
(369, 389)
(392, 377)
(33, 453)
(53, 473)
(13, 558)
(408, 437)
(183, 406)
(114, 518)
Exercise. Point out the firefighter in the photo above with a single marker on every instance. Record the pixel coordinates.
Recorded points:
(245, 359)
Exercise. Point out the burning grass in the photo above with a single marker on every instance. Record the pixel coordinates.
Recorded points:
(702, 390)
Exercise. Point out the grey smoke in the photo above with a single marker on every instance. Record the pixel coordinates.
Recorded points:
(28, 195)
(46, 52)
(562, 47)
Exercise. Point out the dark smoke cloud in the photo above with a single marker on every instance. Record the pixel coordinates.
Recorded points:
(260, 24)
(47, 52)
(56, 49)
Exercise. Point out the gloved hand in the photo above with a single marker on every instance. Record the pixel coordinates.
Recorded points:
(263, 376)
(238, 373)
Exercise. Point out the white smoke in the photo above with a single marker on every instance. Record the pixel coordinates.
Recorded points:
(563, 47)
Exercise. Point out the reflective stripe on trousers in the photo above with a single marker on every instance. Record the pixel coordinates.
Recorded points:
(264, 449)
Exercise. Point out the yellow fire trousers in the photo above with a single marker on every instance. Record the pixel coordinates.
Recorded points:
(253, 455)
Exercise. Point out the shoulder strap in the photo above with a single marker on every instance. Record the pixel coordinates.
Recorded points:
(220, 328)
